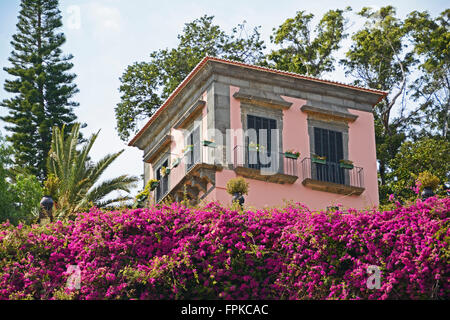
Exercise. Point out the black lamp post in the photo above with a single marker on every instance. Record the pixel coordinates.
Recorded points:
(46, 208)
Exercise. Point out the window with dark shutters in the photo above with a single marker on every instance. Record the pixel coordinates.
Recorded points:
(194, 155)
(260, 123)
(328, 143)
(163, 186)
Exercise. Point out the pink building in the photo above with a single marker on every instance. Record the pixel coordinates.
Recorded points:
(229, 119)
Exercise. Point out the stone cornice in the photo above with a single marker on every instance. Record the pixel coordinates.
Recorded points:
(328, 114)
(262, 98)
(160, 145)
(190, 114)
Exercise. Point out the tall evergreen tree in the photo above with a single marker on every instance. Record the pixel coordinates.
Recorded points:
(42, 87)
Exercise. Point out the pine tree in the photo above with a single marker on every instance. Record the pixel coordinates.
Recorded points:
(42, 88)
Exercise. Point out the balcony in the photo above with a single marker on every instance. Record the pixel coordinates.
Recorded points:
(331, 177)
(201, 163)
(266, 166)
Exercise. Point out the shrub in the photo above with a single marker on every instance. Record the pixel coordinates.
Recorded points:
(428, 180)
(237, 185)
(174, 252)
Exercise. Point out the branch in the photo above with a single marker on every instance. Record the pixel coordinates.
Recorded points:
(389, 106)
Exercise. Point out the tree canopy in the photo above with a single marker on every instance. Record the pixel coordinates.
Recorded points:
(74, 179)
(41, 85)
(145, 85)
(302, 53)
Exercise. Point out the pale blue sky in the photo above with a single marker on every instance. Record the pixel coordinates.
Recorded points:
(115, 33)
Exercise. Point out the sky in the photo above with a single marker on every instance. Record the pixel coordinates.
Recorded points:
(105, 36)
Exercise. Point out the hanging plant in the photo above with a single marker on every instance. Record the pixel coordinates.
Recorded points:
(208, 143)
(292, 154)
(346, 164)
(318, 159)
(175, 162)
(153, 183)
(255, 147)
(164, 171)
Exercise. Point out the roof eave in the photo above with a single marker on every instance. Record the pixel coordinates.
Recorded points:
(202, 63)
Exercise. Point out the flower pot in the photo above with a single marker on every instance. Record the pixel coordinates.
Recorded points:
(427, 193)
(291, 155)
(346, 165)
(237, 197)
(154, 185)
(208, 143)
(320, 161)
(176, 162)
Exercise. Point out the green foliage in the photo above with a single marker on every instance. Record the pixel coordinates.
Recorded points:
(414, 157)
(431, 38)
(379, 58)
(27, 193)
(41, 87)
(145, 85)
(6, 201)
(143, 197)
(51, 186)
(237, 185)
(428, 180)
(299, 52)
(76, 176)
(19, 194)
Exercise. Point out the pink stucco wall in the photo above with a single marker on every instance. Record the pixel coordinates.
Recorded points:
(176, 148)
(362, 149)
(295, 136)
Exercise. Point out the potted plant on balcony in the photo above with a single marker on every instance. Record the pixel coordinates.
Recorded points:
(237, 187)
(208, 143)
(165, 171)
(153, 184)
(292, 154)
(188, 148)
(346, 164)
(143, 198)
(429, 183)
(175, 162)
(252, 146)
(318, 159)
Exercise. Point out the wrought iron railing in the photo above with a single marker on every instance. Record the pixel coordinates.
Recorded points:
(268, 162)
(162, 189)
(204, 153)
(332, 172)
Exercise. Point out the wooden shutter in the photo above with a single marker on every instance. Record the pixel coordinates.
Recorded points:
(197, 146)
(328, 143)
(260, 123)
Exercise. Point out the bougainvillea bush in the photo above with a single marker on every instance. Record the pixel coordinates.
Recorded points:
(174, 252)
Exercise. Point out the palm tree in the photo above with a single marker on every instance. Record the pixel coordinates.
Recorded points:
(73, 177)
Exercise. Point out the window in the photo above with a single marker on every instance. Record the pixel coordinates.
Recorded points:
(194, 153)
(257, 159)
(328, 143)
(163, 186)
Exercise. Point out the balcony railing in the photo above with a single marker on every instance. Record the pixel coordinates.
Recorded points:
(266, 162)
(162, 188)
(333, 173)
(206, 154)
